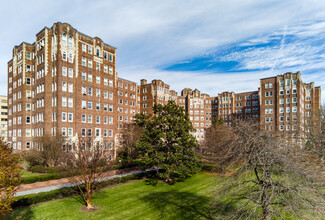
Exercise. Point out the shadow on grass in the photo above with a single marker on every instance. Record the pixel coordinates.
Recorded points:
(23, 213)
(185, 205)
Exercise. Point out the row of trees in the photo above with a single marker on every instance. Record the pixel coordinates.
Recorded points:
(273, 176)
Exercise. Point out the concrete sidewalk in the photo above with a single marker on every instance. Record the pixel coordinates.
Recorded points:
(50, 185)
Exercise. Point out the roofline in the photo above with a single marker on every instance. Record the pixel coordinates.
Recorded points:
(246, 92)
(24, 42)
(126, 80)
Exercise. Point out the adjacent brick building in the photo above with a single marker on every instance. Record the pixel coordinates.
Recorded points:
(66, 82)
(3, 117)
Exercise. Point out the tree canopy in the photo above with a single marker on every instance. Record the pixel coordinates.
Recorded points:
(167, 143)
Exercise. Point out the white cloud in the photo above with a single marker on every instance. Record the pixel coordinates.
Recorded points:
(153, 33)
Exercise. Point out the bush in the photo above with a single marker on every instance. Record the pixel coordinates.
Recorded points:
(41, 178)
(55, 169)
(37, 169)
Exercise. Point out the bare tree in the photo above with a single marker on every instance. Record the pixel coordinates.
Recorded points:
(272, 177)
(131, 133)
(49, 151)
(88, 161)
(315, 132)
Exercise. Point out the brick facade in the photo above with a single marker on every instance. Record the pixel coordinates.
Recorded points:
(66, 82)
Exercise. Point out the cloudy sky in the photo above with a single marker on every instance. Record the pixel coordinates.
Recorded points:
(215, 46)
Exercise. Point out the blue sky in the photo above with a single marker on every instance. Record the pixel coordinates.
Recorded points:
(215, 46)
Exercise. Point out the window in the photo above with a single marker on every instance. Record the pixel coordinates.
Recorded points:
(64, 131)
(83, 118)
(70, 58)
(70, 73)
(270, 85)
(84, 47)
(97, 132)
(111, 57)
(98, 79)
(105, 68)
(90, 118)
(97, 119)
(90, 63)
(28, 55)
(83, 61)
(70, 132)
(266, 85)
(105, 55)
(28, 81)
(294, 109)
(97, 66)
(83, 132)
(90, 49)
(110, 83)
(84, 76)
(110, 70)
(90, 105)
(287, 109)
(64, 86)
(110, 133)
(28, 119)
(70, 87)
(70, 102)
(64, 56)
(64, 116)
(89, 132)
(294, 99)
(64, 71)
(281, 92)
(281, 109)
(288, 91)
(90, 77)
(70, 117)
(90, 91)
(64, 101)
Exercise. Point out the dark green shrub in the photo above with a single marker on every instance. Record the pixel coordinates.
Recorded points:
(37, 169)
(55, 169)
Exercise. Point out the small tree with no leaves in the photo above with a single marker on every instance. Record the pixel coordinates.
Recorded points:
(50, 152)
(10, 177)
(131, 133)
(88, 163)
(272, 178)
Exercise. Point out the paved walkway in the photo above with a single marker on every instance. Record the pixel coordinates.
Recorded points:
(50, 185)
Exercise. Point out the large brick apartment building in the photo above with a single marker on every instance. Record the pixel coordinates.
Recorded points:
(66, 82)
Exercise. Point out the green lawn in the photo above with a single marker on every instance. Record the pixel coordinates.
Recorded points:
(27, 174)
(136, 200)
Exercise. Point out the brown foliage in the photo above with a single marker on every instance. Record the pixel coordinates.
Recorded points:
(9, 177)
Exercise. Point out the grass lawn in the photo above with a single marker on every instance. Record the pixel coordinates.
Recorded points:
(27, 174)
(136, 200)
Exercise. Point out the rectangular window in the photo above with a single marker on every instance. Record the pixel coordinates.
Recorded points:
(90, 105)
(84, 76)
(83, 118)
(90, 77)
(110, 70)
(70, 73)
(90, 63)
(83, 61)
(70, 87)
(64, 101)
(70, 102)
(64, 116)
(64, 71)
(70, 117)
(90, 119)
(90, 49)
(84, 46)
(97, 119)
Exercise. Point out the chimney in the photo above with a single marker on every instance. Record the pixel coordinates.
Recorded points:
(143, 81)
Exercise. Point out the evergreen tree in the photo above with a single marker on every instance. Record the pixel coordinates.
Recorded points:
(166, 142)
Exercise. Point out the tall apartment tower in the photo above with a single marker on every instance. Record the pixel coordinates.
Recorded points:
(287, 104)
(3, 117)
(156, 92)
(64, 82)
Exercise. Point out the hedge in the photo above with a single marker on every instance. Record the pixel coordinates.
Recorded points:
(27, 200)
(42, 178)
